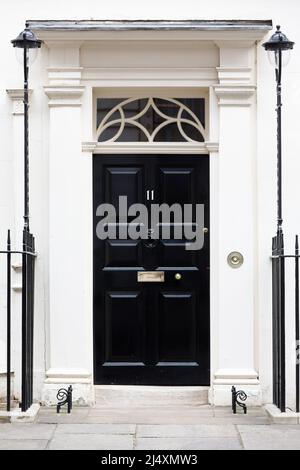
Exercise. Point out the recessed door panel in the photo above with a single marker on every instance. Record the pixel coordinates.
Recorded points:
(123, 254)
(124, 327)
(177, 184)
(123, 181)
(173, 253)
(178, 343)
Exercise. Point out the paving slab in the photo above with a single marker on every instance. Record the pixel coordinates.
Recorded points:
(236, 419)
(91, 442)
(112, 429)
(227, 411)
(26, 431)
(155, 416)
(272, 437)
(23, 444)
(187, 431)
(150, 443)
(174, 417)
(49, 415)
(147, 411)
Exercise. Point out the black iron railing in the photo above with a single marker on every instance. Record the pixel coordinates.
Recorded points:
(28, 261)
(279, 318)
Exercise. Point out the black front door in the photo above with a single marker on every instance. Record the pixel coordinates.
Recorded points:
(151, 333)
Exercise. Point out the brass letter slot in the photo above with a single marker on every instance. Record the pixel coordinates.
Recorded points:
(151, 276)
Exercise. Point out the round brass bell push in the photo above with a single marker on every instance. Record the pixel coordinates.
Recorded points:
(235, 259)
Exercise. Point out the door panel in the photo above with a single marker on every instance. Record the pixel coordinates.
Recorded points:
(123, 254)
(176, 184)
(177, 344)
(172, 253)
(124, 324)
(123, 181)
(151, 333)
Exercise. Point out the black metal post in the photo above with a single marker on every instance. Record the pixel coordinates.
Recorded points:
(27, 40)
(26, 355)
(233, 399)
(280, 239)
(275, 320)
(281, 320)
(279, 142)
(24, 324)
(297, 323)
(26, 142)
(8, 326)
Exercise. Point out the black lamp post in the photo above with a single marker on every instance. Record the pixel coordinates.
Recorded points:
(27, 41)
(278, 48)
(27, 44)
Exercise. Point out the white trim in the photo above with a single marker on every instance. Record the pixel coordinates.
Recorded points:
(227, 376)
(75, 375)
(64, 95)
(17, 97)
(235, 95)
(202, 75)
(232, 75)
(201, 148)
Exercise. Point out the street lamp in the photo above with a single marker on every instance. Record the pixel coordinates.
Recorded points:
(278, 48)
(27, 41)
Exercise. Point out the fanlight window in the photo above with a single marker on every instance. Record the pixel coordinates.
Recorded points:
(151, 120)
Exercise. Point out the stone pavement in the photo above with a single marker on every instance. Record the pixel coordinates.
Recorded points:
(166, 428)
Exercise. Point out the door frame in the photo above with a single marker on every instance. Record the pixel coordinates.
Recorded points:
(209, 147)
(85, 58)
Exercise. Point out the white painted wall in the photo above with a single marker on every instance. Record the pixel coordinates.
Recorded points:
(261, 204)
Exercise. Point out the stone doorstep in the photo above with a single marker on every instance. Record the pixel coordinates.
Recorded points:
(289, 417)
(149, 396)
(18, 416)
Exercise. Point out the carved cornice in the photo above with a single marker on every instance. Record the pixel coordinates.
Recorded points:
(17, 97)
(235, 95)
(64, 95)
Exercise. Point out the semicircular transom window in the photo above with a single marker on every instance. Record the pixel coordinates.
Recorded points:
(151, 120)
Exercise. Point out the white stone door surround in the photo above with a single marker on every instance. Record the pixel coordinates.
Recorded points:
(88, 59)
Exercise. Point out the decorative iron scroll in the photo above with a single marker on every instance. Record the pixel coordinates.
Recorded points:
(117, 119)
(236, 397)
(65, 397)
